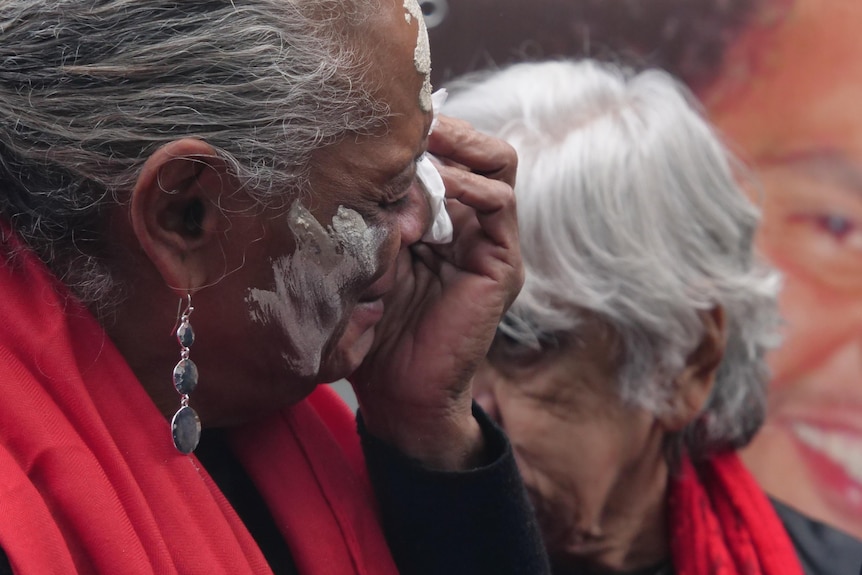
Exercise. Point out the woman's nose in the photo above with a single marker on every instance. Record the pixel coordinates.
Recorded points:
(415, 219)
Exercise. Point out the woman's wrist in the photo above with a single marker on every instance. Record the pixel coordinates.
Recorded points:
(444, 442)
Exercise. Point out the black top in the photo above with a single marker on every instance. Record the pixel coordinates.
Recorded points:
(822, 550)
(472, 522)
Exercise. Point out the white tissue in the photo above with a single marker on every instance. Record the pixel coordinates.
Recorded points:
(438, 98)
(440, 231)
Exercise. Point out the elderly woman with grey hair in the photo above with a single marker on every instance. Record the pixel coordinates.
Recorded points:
(261, 163)
(631, 366)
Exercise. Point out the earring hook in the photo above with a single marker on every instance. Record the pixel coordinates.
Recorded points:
(183, 314)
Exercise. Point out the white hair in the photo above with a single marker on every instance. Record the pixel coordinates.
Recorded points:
(629, 211)
(88, 90)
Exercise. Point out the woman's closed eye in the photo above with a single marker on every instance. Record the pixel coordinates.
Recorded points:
(395, 203)
(398, 194)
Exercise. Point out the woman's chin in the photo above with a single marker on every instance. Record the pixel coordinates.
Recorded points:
(348, 354)
(355, 342)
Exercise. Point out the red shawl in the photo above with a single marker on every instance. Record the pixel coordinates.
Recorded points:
(90, 481)
(723, 523)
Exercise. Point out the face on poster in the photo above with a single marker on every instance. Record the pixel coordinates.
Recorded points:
(796, 119)
(782, 81)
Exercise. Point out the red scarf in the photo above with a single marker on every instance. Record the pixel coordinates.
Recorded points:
(90, 481)
(723, 524)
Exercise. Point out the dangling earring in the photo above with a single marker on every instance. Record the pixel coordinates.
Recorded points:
(185, 425)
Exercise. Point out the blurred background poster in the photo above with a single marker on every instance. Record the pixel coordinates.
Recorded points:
(782, 81)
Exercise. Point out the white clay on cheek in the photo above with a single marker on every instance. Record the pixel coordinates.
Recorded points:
(313, 293)
(422, 52)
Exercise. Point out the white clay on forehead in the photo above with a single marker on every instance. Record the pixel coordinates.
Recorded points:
(313, 295)
(422, 52)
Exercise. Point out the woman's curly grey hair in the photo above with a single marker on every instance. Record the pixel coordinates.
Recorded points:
(88, 90)
(629, 211)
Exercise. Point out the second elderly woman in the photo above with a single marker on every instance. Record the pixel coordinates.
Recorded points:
(631, 367)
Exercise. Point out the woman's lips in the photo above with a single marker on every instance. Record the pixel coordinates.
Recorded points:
(833, 452)
(366, 314)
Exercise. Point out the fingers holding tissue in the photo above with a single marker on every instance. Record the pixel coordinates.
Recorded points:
(440, 231)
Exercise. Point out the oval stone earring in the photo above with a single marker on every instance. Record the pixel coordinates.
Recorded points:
(185, 425)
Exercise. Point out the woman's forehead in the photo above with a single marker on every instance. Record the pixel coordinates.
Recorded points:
(397, 52)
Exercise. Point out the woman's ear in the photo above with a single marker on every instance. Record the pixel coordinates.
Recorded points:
(175, 216)
(693, 385)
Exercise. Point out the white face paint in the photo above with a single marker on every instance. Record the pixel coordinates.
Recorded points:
(422, 53)
(313, 295)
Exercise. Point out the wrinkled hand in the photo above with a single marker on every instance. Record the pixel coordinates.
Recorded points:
(414, 386)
